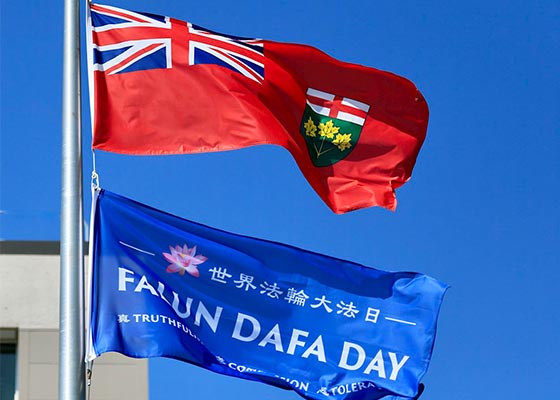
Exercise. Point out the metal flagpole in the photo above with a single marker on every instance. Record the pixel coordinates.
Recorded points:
(71, 338)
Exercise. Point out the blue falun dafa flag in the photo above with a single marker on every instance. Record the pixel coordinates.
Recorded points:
(163, 286)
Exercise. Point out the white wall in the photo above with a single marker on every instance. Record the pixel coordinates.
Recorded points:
(29, 286)
(29, 291)
(115, 377)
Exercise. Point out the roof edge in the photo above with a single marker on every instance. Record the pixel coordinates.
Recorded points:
(33, 247)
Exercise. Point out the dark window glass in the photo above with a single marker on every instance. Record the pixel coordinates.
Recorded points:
(8, 348)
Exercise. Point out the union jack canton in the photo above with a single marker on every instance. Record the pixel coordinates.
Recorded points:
(127, 41)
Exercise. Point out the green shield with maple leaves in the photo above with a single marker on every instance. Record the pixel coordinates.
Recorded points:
(328, 139)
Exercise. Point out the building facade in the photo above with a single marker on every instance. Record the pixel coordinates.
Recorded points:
(29, 309)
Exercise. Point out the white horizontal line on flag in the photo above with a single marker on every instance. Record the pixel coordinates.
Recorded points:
(319, 110)
(350, 118)
(320, 94)
(137, 249)
(356, 104)
(400, 321)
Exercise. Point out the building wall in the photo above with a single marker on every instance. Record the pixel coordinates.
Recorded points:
(29, 291)
(114, 376)
(29, 286)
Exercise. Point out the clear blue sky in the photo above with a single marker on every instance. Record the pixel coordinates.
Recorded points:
(480, 212)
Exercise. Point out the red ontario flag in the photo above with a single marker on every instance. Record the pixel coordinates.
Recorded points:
(164, 86)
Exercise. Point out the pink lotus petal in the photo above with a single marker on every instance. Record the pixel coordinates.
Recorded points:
(169, 257)
(193, 271)
(173, 268)
(197, 261)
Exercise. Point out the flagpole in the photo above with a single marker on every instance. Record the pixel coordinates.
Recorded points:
(71, 337)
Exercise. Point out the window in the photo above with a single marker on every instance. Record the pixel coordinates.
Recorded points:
(8, 347)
